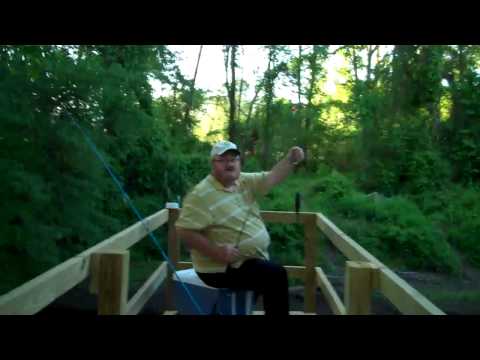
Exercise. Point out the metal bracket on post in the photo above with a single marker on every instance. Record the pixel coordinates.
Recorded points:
(172, 205)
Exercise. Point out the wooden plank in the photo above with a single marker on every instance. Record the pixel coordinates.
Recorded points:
(94, 270)
(329, 292)
(343, 242)
(37, 293)
(131, 235)
(291, 312)
(407, 299)
(182, 265)
(359, 284)
(170, 312)
(310, 231)
(113, 282)
(138, 301)
(286, 217)
(400, 293)
(296, 272)
(173, 254)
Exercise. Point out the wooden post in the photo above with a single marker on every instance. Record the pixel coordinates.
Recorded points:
(94, 272)
(113, 268)
(310, 230)
(360, 280)
(173, 253)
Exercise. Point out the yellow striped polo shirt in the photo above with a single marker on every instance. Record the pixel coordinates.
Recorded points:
(225, 217)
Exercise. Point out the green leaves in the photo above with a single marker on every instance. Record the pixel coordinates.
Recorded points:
(457, 211)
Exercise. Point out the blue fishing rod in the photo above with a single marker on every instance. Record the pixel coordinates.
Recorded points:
(128, 200)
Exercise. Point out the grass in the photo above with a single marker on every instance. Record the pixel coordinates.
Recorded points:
(469, 296)
(454, 301)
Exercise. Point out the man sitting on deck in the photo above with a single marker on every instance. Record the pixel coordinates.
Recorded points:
(220, 223)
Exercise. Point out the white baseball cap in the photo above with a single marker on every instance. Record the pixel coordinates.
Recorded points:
(221, 147)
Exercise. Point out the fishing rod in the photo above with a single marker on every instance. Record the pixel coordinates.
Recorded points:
(129, 202)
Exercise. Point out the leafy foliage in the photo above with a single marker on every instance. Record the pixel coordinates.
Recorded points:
(392, 229)
(60, 198)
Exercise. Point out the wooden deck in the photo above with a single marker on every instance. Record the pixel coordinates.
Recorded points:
(106, 265)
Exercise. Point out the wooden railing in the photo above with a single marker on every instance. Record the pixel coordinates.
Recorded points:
(98, 262)
(107, 264)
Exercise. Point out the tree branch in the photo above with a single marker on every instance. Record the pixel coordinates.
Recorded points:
(338, 49)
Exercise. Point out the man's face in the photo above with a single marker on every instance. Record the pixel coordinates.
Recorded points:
(226, 167)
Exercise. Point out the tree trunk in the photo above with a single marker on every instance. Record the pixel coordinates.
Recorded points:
(299, 75)
(371, 51)
(300, 114)
(232, 126)
(458, 111)
(239, 103)
(189, 105)
(253, 137)
(402, 92)
(266, 127)
(355, 66)
(227, 82)
(432, 59)
(309, 109)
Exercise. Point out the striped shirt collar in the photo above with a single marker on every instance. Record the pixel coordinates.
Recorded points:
(218, 185)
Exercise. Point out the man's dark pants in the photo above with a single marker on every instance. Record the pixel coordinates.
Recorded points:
(263, 277)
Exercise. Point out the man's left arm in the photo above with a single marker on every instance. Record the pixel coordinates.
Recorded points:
(284, 167)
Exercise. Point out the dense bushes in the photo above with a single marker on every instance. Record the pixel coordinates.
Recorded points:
(456, 211)
(393, 229)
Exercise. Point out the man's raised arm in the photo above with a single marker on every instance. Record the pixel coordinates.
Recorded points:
(284, 167)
